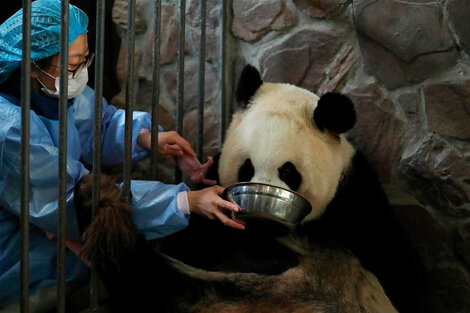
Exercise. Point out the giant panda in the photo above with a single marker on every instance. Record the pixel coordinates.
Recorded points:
(290, 137)
(349, 255)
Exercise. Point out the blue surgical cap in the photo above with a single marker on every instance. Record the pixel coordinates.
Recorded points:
(45, 34)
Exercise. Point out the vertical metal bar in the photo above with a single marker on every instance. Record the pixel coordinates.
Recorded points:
(25, 136)
(223, 111)
(155, 87)
(63, 91)
(130, 98)
(100, 20)
(202, 63)
(180, 76)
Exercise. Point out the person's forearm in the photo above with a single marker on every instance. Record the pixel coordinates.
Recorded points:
(144, 139)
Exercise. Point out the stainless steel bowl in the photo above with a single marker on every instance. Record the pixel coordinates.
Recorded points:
(266, 208)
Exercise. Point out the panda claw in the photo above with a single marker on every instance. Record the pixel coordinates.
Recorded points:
(194, 169)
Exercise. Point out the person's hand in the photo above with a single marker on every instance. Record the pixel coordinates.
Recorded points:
(208, 203)
(170, 143)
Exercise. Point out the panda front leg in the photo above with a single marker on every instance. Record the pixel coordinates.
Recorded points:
(370, 294)
(325, 281)
(337, 285)
(336, 278)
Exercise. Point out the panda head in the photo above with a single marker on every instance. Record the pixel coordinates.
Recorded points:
(289, 137)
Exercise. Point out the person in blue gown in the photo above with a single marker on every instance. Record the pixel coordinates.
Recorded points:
(158, 209)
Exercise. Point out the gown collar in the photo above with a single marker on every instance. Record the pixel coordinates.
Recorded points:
(42, 105)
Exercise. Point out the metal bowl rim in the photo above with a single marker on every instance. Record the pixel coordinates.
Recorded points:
(228, 188)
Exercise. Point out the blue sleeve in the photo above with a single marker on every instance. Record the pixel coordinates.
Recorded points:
(155, 209)
(43, 189)
(112, 129)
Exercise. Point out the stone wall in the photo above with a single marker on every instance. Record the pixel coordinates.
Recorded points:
(405, 64)
(168, 51)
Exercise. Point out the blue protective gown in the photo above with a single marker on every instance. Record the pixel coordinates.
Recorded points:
(154, 204)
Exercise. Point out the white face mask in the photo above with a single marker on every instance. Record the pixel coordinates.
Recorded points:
(75, 86)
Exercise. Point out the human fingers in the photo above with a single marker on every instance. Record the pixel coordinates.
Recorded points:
(163, 148)
(209, 182)
(218, 189)
(174, 147)
(221, 203)
(234, 218)
(166, 142)
(227, 221)
(173, 150)
(183, 143)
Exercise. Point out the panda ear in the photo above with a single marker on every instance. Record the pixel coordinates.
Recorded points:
(335, 112)
(248, 84)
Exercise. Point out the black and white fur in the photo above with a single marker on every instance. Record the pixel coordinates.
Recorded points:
(276, 139)
(287, 136)
(140, 278)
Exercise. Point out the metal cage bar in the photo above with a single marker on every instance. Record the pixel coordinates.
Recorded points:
(100, 22)
(130, 98)
(223, 109)
(180, 74)
(202, 68)
(155, 88)
(61, 234)
(25, 148)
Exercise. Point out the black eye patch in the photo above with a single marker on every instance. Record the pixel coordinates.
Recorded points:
(246, 171)
(288, 173)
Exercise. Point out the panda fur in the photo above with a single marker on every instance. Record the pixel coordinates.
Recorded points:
(275, 141)
(325, 266)
(287, 136)
(140, 278)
